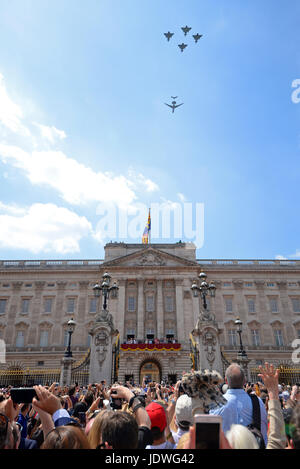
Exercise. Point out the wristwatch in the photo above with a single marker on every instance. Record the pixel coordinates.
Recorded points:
(133, 402)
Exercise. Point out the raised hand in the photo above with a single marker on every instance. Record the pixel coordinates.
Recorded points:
(270, 379)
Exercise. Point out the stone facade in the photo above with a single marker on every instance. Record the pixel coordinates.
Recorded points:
(37, 298)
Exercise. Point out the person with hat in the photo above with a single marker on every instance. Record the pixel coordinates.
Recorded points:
(183, 416)
(159, 427)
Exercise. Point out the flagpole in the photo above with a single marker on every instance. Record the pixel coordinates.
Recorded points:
(150, 229)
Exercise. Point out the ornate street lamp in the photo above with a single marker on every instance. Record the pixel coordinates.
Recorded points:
(105, 288)
(70, 329)
(204, 289)
(242, 352)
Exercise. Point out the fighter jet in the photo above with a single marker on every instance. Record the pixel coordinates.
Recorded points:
(197, 37)
(186, 29)
(174, 105)
(182, 46)
(168, 35)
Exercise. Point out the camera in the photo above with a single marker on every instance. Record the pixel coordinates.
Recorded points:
(22, 395)
(207, 431)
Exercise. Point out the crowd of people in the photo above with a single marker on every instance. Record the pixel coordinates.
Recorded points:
(156, 416)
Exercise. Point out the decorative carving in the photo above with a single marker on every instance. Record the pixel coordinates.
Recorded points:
(238, 284)
(105, 316)
(209, 341)
(61, 285)
(83, 285)
(39, 285)
(101, 343)
(150, 259)
(17, 285)
(259, 284)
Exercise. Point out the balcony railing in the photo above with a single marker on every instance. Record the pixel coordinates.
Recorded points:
(152, 347)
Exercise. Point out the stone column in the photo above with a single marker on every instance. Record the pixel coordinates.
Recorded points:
(35, 314)
(241, 311)
(140, 311)
(120, 315)
(287, 313)
(12, 313)
(160, 310)
(101, 361)
(66, 371)
(82, 301)
(59, 313)
(179, 311)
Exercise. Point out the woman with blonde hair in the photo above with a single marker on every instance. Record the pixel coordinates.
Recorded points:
(94, 435)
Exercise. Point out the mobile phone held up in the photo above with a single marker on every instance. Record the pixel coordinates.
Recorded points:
(207, 431)
(22, 395)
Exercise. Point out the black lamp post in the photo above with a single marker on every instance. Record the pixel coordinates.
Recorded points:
(204, 289)
(242, 352)
(106, 289)
(71, 328)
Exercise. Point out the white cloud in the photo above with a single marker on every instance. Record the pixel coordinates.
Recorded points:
(141, 182)
(11, 114)
(51, 133)
(42, 228)
(76, 183)
(181, 197)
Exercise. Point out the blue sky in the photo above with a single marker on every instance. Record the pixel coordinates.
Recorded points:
(83, 123)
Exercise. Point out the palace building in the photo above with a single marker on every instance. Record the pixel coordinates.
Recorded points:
(153, 310)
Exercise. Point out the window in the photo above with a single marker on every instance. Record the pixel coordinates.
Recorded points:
(44, 339)
(248, 284)
(20, 339)
(228, 305)
(270, 284)
(25, 306)
(251, 305)
(292, 284)
(169, 304)
(28, 285)
(226, 284)
(255, 337)
(150, 303)
(40, 363)
(131, 303)
(51, 285)
(71, 305)
(3, 306)
(48, 305)
(5, 285)
(278, 337)
(273, 305)
(296, 305)
(232, 337)
(89, 340)
(93, 305)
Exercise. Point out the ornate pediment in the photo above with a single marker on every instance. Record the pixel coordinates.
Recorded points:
(149, 257)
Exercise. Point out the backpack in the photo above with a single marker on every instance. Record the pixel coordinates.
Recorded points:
(255, 426)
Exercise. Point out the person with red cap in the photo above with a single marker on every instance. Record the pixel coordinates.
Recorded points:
(159, 427)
